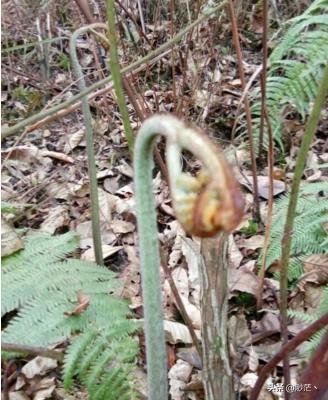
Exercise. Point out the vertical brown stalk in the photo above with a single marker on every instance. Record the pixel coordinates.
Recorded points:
(85, 9)
(174, 88)
(235, 36)
(269, 212)
(264, 70)
(265, 118)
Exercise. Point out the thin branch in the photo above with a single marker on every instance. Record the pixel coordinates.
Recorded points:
(174, 84)
(265, 117)
(242, 98)
(269, 212)
(85, 9)
(33, 350)
(235, 36)
(264, 70)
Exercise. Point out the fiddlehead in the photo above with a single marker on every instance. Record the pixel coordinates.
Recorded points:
(205, 205)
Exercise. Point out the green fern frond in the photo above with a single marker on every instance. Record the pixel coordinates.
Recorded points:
(41, 245)
(295, 68)
(298, 26)
(101, 360)
(43, 287)
(72, 357)
(308, 236)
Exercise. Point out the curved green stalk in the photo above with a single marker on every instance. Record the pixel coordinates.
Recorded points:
(89, 137)
(160, 50)
(116, 74)
(222, 191)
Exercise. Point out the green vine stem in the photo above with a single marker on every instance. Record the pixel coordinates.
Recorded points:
(116, 74)
(310, 130)
(205, 205)
(129, 68)
(89, 137)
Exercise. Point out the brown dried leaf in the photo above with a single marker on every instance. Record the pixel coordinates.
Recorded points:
(107, 251)
(315, 271)
(125, 169)
(180, 277)
(23, 153)
(120, 226)
(235, 256)
(252, 243)
(178, 375)
(20, 395)
(239, 333)
(105, 205)
(74, 140)
(57, 218)
(83, 303)
(38, 366)
(263, 185)
(84, 229)
(57, 156)
(111, 184)
(243, 280)
(44, 388)
(131, 277)
(178, 333)
(10, 241)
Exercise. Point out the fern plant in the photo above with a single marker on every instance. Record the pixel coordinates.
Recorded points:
(309, 235)
(43, 287)
(296, 66)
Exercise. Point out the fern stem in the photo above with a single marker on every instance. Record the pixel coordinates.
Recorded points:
(150, 265)
(89, 137)
(143, 60)
(116, 74)
(230, 210)
(299, 168)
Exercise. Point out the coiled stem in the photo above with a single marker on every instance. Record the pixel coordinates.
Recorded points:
(216, 205)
